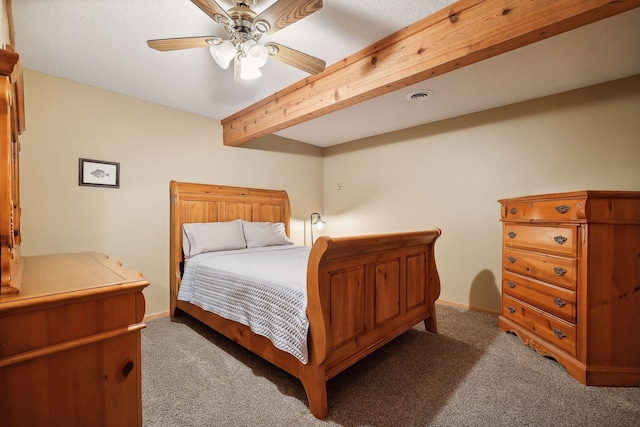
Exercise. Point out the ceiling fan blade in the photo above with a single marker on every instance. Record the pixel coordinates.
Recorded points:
(212, 9)
(308, 63)
(286, 12)
(181, 43)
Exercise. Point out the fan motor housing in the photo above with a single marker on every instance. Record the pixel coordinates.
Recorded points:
(242, 23)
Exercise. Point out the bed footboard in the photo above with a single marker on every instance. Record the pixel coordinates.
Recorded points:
(362, 293)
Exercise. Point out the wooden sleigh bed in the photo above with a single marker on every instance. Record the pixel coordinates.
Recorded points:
(362, 292)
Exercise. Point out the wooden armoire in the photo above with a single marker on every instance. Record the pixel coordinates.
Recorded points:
(70, 350)
(12, 124)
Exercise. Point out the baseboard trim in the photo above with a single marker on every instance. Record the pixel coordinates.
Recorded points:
(467, 307)
(154, 316)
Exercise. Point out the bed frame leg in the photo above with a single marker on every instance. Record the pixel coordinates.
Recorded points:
(315, 384)
(430, 325)
(174, 312)
(430, 322)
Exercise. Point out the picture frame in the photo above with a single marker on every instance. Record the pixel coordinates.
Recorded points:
(98, 173)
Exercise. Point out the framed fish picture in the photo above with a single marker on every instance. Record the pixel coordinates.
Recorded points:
(98, 173)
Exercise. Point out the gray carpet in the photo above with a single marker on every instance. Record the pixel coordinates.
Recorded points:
(469, 374)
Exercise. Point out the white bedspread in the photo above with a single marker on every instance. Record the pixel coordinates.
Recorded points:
(263, 288)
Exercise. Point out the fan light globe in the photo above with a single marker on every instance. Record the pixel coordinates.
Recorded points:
(223, 54)
(248, 70)
(255, 56)
(258, 55)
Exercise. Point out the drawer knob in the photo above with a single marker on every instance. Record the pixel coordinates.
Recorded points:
(512, 235)
(562, 209)
(127, 368)
(561, 240)
(511, 259)
(511, 309)
(559, 271)
(559, 302)
(513, 211)
(559, 334)
(511, 284)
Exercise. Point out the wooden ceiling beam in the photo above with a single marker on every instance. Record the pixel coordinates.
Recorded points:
(462, 34)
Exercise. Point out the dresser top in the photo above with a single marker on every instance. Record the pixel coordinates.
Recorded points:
(611, 207)
(81, 274)
(596, 194)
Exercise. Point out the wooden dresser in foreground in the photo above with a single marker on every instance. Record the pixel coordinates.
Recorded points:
(571, 281)
(70, 343)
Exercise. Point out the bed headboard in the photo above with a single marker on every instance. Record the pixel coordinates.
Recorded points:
(215, 203)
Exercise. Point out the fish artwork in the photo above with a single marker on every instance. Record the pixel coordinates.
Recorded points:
(99, 173)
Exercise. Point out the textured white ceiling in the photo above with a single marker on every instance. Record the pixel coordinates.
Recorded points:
(103, 44)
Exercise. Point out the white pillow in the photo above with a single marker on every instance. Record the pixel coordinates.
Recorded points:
(201, 237)
(258, 234)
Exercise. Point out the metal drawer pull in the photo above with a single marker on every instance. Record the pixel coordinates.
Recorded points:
(511, 309)
(512, 235)
(511, 284)
(559, 334)
(561, 240)
(513, 211)
(560, 271)
(562, 209)
(511, 259)
(559, 302)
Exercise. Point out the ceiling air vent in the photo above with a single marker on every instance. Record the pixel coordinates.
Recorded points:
(419, 95)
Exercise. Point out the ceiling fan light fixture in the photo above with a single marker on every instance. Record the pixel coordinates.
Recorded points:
(223, 53)
(248, 70)
(244, 27)
(257, 55)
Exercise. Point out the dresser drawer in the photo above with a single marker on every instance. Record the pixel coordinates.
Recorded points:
(560, 240)
(96, 384)
(544, 210)
(555, 269)
(554, 330)
(558, 301)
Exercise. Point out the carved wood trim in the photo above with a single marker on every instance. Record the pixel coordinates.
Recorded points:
(12, 124)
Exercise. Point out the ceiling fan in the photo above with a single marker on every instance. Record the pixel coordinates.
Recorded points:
(244, 28)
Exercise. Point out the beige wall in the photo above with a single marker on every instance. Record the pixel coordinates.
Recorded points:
(447, 174)
(154, 144)
(4, 25)
(450, 175)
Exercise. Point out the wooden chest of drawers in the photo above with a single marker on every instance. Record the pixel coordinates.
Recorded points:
(571, 281)
(70, 347)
